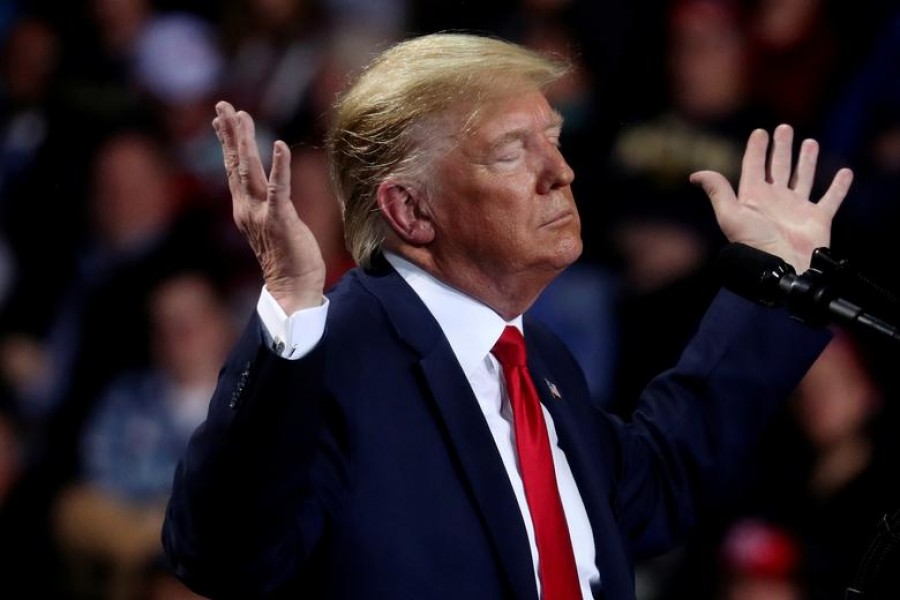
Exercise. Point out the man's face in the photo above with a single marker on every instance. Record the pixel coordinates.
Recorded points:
(502, 202)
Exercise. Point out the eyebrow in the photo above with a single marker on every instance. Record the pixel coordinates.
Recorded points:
(556, 121)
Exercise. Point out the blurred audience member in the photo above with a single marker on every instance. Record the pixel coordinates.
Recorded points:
(864, 132)
(138, 233)
(108, 522)
(837, 502)
(178, 69)
(131, 207)
(98, 65)
(274, 50)
(661, 229)
(29, 63)
(797, 58)
(825, 477)
(290, 58)
(32, 148)
(32, 145)
(759, 561)
(344, 53)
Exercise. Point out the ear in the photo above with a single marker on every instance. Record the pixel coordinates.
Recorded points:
(405, 212)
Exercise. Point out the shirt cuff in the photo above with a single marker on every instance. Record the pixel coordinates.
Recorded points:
(291, 337)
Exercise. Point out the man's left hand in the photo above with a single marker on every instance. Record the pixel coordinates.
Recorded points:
(772, 210)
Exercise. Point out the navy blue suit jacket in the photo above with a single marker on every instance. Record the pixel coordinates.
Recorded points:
(366, 469)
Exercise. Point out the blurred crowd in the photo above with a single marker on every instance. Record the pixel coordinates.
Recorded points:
(123, 279)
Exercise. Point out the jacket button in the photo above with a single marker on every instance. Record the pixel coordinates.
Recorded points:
(239, 387)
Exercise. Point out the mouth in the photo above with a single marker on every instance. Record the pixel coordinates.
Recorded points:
(559, 219)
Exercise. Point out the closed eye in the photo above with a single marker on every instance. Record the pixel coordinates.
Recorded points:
(510, 151)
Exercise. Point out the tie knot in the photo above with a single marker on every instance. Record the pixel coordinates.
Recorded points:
(510, 348)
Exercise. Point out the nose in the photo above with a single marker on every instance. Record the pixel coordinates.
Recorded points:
(556, 171)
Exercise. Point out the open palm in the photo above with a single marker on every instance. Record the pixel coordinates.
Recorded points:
(772, 210)
(286, 249)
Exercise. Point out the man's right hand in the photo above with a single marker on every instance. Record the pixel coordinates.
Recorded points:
(290, 258)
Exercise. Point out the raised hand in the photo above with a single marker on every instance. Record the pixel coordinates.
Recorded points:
(772, 210)
(291, 262)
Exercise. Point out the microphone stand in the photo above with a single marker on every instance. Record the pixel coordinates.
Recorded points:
(829, 291)
(818, 295)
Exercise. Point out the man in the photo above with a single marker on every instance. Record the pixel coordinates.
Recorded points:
(381, 443)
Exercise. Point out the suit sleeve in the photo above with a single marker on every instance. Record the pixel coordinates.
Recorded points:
(697, 423)
(252, 494)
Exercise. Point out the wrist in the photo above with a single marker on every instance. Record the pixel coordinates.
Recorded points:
(297, 292)
(291, 299)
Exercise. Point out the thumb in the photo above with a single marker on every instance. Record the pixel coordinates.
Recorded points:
(720, 193)
(717, 188)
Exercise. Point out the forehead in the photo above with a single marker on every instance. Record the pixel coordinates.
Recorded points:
(499, 115)
(474, 128)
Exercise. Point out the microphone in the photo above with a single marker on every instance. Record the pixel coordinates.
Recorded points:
(816, 297)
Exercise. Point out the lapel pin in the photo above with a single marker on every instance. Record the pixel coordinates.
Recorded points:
(554, 391)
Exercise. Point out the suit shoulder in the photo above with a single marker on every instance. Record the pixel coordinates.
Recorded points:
(353, 308)
(546, 339)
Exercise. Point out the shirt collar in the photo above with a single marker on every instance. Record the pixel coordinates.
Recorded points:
(471, 327)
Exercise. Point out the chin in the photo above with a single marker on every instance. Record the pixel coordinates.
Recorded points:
(567, 252)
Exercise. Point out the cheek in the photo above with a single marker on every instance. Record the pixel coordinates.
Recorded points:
(492, 234)
(500, 212)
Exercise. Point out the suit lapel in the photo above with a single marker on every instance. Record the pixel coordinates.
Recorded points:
(587, 462)
(481, 468)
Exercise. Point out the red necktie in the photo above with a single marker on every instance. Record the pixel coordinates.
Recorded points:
(556, 560)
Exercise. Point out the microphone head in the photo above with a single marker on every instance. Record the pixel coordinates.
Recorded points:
(752, 273)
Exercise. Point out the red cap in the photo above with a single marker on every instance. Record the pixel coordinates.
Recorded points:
(756, 548)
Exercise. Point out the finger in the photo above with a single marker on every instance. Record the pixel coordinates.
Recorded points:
(753, 165)
(717, 188)
(805, 173)
(780, 162)
(225, 125)
(279, 188)
(837, 191)
(250, 169)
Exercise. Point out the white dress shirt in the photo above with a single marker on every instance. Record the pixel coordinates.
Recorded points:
(472, 328)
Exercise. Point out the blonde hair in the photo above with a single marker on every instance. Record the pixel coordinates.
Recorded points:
(382, 123)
